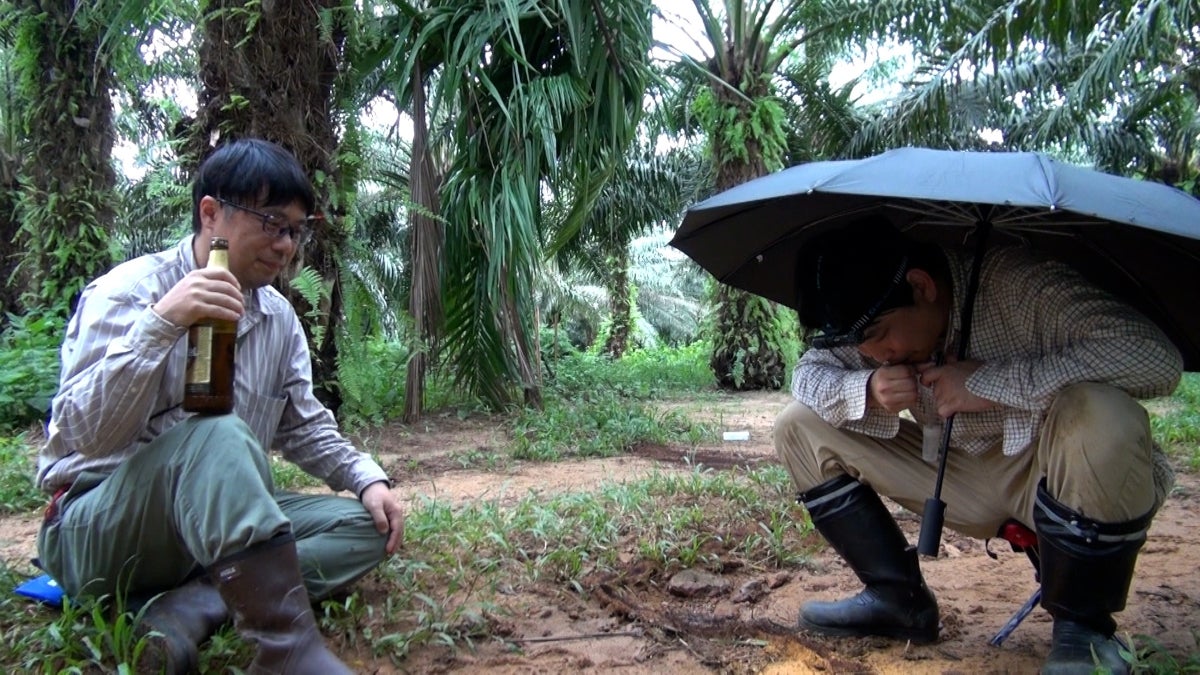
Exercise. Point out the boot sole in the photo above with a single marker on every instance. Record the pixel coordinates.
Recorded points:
(915, 636)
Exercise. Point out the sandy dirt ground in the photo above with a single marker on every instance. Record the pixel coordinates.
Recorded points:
(632, 625)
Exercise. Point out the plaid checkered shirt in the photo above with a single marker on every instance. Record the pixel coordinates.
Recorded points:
(1038, 327)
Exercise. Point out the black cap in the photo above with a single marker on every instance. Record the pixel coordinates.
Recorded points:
(849, 277)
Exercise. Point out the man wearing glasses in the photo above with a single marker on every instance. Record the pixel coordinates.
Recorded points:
(151, 501)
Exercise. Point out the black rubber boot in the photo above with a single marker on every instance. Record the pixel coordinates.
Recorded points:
(1087, 567)
(895, 602)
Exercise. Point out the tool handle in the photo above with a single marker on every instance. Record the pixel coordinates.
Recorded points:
(931, 527)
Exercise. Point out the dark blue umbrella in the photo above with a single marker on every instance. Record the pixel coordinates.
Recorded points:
(1139, 240)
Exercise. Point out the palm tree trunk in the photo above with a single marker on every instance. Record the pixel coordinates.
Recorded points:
(620, 306)
(425, 299)
(747, 354)
(747, 347)
(9, 286)
(66, 205)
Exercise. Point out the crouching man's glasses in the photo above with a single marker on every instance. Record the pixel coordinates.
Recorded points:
(276, 225)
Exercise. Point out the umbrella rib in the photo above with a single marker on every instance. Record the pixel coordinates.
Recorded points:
(1146, 294)
(933, 212)
(953, 210)
(1004, 215)
(791, 234)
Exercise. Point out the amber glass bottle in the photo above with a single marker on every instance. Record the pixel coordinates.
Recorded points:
(208, 386)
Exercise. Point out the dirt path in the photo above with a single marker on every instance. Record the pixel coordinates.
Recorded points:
(651, 632)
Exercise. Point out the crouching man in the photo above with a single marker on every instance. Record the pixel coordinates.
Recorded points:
(1047, 430)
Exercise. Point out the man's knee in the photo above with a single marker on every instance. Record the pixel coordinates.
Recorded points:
(1098, 454)
(343, 551)
(214, 429)
(222, 440)
(794, 443)
(1092, 399)
(792, 425)
(1112, 426)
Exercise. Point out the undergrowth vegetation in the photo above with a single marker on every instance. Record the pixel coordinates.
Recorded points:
(28, 368)
(597, 407)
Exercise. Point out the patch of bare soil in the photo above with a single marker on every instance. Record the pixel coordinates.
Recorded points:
(628, 622)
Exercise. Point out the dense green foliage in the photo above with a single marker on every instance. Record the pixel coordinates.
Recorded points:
(599, 407)
(509, 248)
(643, 373)
(29, 368)
(758, 356)
(538, 162)
(18, 493)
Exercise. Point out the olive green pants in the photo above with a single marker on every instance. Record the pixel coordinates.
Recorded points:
(197, 494)
(1094, 450)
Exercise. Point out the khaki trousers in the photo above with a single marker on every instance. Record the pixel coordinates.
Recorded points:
(199, 493)
(1094, 450)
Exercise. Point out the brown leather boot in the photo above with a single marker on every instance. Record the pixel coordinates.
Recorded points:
(264, 590)
(176, 623)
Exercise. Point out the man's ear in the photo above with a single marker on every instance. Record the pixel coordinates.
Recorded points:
(209, 210)
(923, 285)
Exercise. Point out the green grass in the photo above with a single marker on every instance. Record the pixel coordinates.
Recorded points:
(458, 560)
(94, 635)
(1175, 422)
(642, 374)
(598, 424)
(1147, 655)
(289, 477)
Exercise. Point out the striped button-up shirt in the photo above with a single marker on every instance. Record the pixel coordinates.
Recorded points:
(123, 365)
(1038, 327)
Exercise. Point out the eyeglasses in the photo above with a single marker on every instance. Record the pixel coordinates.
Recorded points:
(277, 225)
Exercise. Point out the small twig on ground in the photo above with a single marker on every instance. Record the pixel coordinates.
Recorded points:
(584, 636)
(688, 647)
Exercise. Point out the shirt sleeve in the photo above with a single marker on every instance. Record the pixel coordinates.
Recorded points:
(833, 384)
(308, 434)
(1081, 334)
(113, 359)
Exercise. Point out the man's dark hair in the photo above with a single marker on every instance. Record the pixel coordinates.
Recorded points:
(848, 277)
(252, 172)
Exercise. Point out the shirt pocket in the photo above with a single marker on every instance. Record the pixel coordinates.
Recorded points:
(262, 414)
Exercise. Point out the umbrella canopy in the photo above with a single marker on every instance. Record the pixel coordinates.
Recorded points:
(1139, 240)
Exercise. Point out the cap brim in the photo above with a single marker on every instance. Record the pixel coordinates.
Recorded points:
(829, 341)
